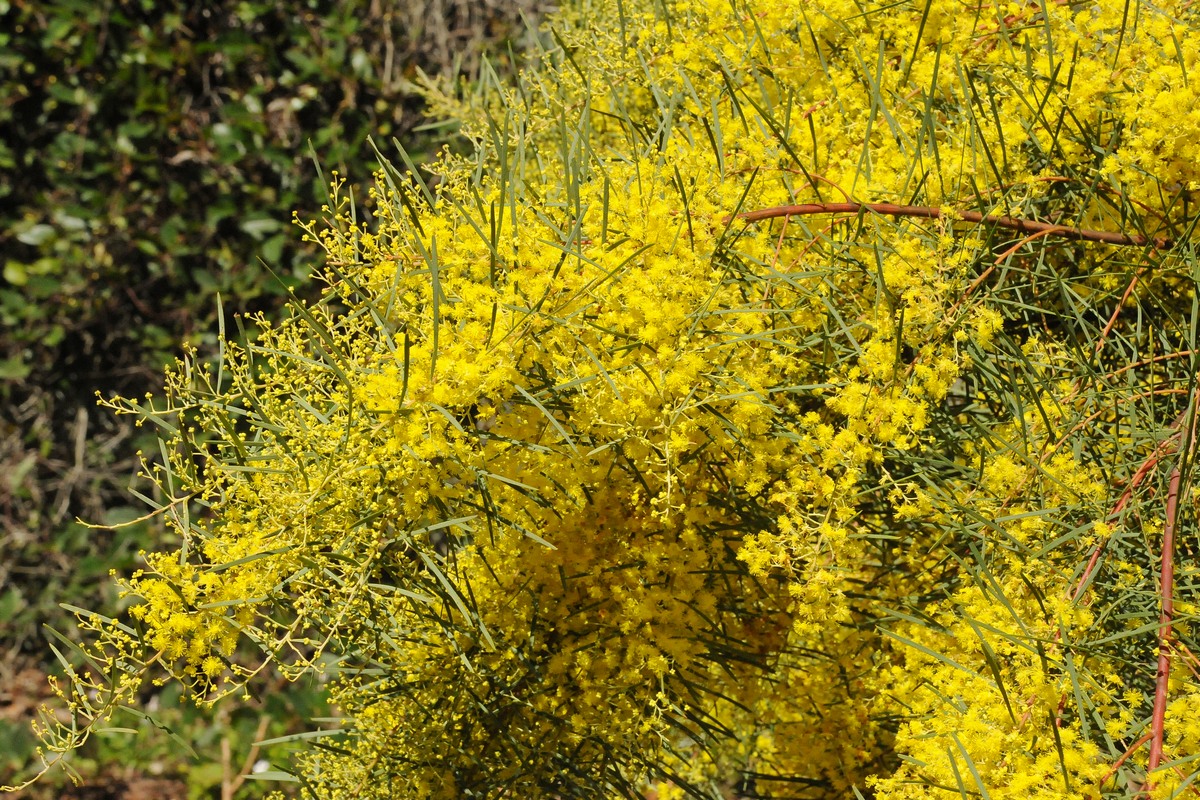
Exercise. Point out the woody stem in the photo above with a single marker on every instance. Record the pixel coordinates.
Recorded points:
(933, 212)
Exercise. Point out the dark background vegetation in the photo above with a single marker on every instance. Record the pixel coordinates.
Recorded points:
(151, 156)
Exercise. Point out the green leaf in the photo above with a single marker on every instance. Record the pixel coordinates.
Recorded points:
(36, 235)
(14, 369)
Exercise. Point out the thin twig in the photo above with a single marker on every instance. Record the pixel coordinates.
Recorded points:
(1112, 320)
(230, 783)
(1146, 467)
(1101, 187)
(1000, 259)
(1145, 362)
(1026, 226)
(1167, 581)
(1124, 757)
(1089, 419)
(1167, 589)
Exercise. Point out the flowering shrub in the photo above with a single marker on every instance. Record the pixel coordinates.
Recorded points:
(793, 400)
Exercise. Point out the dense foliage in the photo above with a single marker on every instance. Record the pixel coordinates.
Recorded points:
(783, 400)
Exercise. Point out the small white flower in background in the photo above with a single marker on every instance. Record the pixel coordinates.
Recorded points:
(262, 765)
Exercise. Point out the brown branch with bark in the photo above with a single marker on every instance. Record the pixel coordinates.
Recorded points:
(1166, 579)
(1026, 226)
(1167, 586)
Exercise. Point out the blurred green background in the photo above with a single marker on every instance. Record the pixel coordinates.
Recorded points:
(151, 156)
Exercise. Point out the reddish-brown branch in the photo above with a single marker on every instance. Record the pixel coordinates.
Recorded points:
(1000, 259)
(1167, 586)
(1026, 226)
(1089, 419)
(1187, 658)
(1112, 321)
(1145, 362)
(1140, 475)
(1124, 757)
(1100, 187)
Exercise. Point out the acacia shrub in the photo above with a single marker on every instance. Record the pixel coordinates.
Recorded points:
(780, 401)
